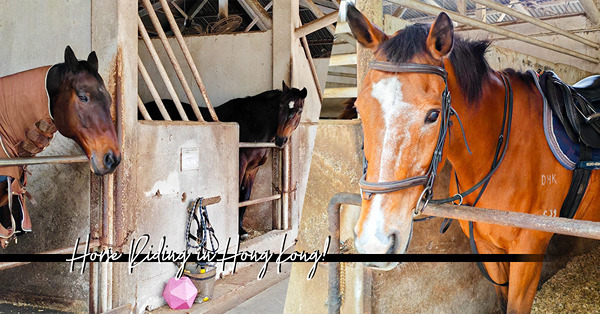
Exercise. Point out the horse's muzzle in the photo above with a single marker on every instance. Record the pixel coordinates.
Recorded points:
(108, 164)
(280, 141)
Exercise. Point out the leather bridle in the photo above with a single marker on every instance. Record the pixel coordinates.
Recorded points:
(370, 188)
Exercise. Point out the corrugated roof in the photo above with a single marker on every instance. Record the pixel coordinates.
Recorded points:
(536, 8)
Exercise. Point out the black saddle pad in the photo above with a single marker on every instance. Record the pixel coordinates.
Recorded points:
(572, 104)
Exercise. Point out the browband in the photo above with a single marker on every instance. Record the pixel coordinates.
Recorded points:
(408, 68)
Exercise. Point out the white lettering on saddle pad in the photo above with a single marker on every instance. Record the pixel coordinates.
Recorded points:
(548, 179)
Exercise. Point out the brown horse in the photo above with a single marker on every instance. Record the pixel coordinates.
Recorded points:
(69, 97)
(402, 114)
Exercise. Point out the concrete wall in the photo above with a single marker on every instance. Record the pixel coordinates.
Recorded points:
(35, 33)
(162, 192)
(224, 71)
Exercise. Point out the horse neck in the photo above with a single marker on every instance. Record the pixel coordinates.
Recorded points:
(23, 102)
(482, 123)
(269, 113)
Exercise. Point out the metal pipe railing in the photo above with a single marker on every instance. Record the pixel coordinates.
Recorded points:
(311, 63)
(260, 200)
(43, 160)
(501, 8)
(258, 145)
(429, 9)
(334, 300)
(161, 68)
(188, 58)
(578, 228)
(143, 109)
(316, 25)
(173, 59)
(257, 18)
(153, 91)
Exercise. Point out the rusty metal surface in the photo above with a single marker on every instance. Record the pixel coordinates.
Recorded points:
(566, 226)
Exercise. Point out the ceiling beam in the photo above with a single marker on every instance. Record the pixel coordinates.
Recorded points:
(591, 11)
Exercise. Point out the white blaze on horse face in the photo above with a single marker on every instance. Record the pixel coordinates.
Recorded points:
(291, 105)
(398, 116)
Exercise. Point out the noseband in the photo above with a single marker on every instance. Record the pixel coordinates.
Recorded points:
(369, 188)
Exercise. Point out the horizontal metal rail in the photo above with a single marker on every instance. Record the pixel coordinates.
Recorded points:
(93, 244)
(43, 160)
(257, 145)
(578, 228)
(433, 10)
(316, 24)
(260, 200)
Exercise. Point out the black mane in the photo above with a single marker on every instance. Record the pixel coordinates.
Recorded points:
(467, 57)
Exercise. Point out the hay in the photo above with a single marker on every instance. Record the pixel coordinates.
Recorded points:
(574, 289)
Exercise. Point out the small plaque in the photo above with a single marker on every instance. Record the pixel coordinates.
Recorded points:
(190, 158)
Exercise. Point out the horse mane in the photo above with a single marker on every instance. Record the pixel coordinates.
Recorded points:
(467, 57)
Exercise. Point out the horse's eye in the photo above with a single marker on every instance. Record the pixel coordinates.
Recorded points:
(83, 98)
(432, 116)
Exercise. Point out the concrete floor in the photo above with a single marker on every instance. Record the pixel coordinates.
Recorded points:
(269, 301)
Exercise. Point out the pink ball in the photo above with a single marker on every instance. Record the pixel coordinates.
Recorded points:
(180, 293)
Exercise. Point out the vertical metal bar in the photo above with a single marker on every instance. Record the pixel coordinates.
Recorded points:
(277, 170)
(174, 62)
(143, 109)
(161, 68)
(313, 70)
(223, 9)
(188, 58)
(285, 197)
(153, 91)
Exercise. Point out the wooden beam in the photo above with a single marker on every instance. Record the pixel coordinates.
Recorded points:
(591, 11)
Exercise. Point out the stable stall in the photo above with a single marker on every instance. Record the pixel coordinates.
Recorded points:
(222, 52)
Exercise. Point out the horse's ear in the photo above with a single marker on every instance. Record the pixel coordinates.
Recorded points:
(367, 34)
(303, 93)
(93, 60)
(441, 36)
(70, 59)
(284, 87)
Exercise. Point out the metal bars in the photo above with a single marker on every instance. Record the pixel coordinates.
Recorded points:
(429, 9)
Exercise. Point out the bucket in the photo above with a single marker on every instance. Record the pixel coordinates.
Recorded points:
(203, 277)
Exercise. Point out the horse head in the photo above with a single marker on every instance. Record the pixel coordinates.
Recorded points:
(80, 106)
(291, 104)
(400, 116)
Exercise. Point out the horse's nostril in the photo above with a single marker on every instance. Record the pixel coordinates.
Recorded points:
(109, 160)
(394, 243)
